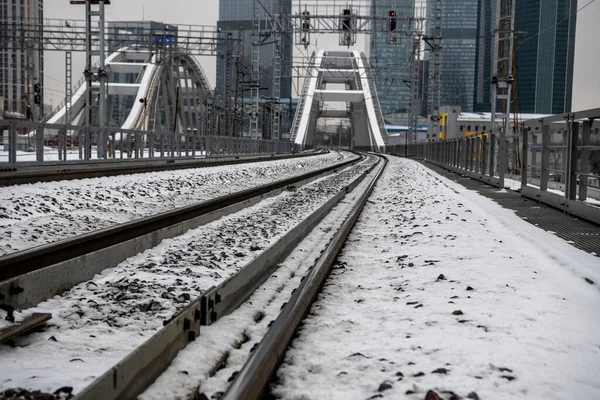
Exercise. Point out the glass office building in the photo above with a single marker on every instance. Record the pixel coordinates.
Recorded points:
(546, 47)
(459, 27)
(236, 18)
(21, 69)
(486, 24)
(389, 55)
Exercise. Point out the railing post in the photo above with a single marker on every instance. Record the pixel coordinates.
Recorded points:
(514, 150)
(194, 145)
(457, 153)
(584, 160)
(137, 139)
(565, 157)
(524, 156)
(482, 162)
(492, 157)
(476, 156)
(534, 143)
(466, 153)
(39, 143)
(545, 175)
(573, 139)
(87, 151)
(81, 142)
(12, 142)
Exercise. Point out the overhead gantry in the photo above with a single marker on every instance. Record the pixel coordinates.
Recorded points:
(351, 70)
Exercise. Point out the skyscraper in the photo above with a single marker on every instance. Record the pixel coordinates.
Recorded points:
(545, 54)
(21, 69)
(390, 56)
(235, 17)
(486, 23)
(459, 27)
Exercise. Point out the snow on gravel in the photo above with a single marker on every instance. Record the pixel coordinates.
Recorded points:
(440, 289)
(207, 364)
(37, 214)
(99, 322)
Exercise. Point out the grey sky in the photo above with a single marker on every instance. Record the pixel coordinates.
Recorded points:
(586, 85)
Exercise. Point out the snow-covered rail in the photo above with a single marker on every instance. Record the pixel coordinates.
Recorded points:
(43, 271)
(252, 381)
(305, 201)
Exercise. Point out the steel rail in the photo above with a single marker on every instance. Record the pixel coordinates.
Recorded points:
(252, 381)
(10, 175)
(134, 374)
(23, 262)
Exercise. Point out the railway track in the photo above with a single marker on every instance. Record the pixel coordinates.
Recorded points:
(51, 172)
(305, 200)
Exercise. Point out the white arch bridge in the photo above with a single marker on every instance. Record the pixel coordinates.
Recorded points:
(349, 69)
(146, 91)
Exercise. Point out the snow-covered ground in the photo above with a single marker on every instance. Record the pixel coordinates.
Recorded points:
(99, 322)
(442, 289)
(36, 214)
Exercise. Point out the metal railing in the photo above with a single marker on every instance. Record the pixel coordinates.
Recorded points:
(555, 160)
(41, 142)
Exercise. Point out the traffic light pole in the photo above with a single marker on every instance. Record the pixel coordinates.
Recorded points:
(502, 79)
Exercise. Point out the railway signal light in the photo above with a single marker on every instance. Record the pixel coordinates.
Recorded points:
(393, 21)
(347, 20)
(37, 88)
(37, 99)
(305, 21)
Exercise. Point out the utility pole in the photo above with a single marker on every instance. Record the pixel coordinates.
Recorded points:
(502, 80)
(95, 50)
(228, 83)
(255, 74)
(277, 52)
(238, 113)
(434, 40)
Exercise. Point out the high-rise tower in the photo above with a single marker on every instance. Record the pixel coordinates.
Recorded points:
(390, 56)
(236, 14)
(22, 69)
(459, 27)
(545, 54)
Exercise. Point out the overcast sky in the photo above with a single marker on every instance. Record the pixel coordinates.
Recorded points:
(586, 85)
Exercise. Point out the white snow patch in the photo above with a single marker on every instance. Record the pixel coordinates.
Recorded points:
(528, 329)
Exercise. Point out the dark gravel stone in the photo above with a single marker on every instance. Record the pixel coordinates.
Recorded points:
(384, 386)
(431, 395)
(588, 280)
(473, 396)
(441, 277)
(457, 312)
(440, 371)
(469, 288)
